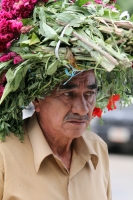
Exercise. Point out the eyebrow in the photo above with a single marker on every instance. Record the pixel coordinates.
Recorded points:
(73, 86)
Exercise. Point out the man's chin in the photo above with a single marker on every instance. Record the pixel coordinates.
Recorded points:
(75, 133)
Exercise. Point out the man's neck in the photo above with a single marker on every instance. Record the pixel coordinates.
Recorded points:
(62, 148)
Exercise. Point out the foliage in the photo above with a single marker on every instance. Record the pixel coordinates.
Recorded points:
(60, 40)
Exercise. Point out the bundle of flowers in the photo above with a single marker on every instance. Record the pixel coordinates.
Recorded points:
(46, 42)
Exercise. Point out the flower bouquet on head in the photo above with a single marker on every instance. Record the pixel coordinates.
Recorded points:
(46, 42)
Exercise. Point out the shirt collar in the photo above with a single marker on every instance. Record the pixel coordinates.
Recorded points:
(41, 149)
(83, 147)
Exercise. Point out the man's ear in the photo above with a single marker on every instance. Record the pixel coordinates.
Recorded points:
(36, 104)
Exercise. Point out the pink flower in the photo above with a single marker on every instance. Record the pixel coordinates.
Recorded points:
(98, 1)
(5, 15)
(15, 26)
(11, 55)
(19, 8)
(4, 58)
(9, 30)
(26, 29)
(7, 4)
(23, 8)
(17, 59)
(8, 45)
(88, 3)
(1, 90)
(7, 57)
(111, 7)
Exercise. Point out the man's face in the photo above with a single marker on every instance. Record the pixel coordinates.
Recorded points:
(67, 111)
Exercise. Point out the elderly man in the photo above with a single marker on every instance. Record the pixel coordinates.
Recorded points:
(59, 158)
(56, 54)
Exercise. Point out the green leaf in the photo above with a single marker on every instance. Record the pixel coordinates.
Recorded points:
(5, 64)
(23, 37)
(64, 40)
(53, 44)
(27, 21)
(18, 50)
(65, 17)
(53, 67)
(89, 49)
(41, 14)
(82, 2)
(34, 14)
(68, 31)
(47, 30)
(25, 42)
(101, 60)
(77, 9)
(13, 79)
(131, 18)
(113, 15)
(34, 39)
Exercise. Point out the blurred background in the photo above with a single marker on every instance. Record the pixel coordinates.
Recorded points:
(126, 5)
(117, 132)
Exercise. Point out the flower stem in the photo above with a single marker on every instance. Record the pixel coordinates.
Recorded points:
(97, 48)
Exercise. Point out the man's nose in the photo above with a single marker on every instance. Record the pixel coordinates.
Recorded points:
(80, 106)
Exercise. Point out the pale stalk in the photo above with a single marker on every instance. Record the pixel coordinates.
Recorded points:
(97, 48)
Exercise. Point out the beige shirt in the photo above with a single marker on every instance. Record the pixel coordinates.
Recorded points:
(30, 171)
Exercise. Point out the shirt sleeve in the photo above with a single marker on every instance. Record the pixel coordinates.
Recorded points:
(1, 177)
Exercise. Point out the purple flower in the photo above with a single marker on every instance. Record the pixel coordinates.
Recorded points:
(26, 29)
(7, 57)
(17, 59)
(9, 30)
(19, 8)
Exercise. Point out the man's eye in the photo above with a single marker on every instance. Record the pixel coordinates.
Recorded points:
(90, 93)
(67, 94)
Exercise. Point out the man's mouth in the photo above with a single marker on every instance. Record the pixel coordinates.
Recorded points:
(77, 121)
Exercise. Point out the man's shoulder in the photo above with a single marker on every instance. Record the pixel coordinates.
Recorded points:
(12, 138)
(90, 136)
(95, 144)
(13, 142)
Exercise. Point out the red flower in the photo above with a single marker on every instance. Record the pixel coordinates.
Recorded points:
(97, 112)
(111, 102)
